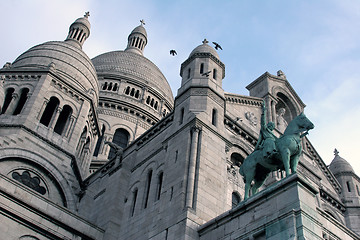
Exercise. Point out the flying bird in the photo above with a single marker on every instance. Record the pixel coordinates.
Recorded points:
(173, 52)
(206, 74)
(217, 46)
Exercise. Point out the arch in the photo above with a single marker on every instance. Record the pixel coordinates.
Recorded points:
(133, 201)
(137, 94)
(214, 73)
(236, 159)
(159, 184)
(127, 90)
(147, 187)
(39, 162)
(49, 111)
(105, 86)
(201, 68)
(63, 120)
(81, 140)
(22, 100)
(120, 138)
(132, 93)
(214, 117)
(235, 199)
(115, 87)
(110, 86)
(8, 98)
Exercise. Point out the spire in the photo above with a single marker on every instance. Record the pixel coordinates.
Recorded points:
(137, 39)
(79, 31)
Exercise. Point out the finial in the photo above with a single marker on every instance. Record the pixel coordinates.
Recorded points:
(205, 41)
(142, 21)
(87, 14)
(336, 152)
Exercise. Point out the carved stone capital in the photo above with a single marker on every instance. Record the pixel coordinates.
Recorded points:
(196, 128)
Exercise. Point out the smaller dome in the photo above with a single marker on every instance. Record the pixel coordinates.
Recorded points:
(139, 29)
(339, 165)
(205, 48)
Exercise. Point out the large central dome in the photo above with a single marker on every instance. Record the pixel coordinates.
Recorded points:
(130, 65)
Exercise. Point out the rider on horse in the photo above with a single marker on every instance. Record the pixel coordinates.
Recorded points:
(266, 141)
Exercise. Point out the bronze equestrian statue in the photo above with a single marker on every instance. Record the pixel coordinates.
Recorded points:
(272, 153)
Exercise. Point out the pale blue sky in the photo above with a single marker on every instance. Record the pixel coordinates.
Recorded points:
(315, 43)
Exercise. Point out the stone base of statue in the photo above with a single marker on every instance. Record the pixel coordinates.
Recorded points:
(285, 210)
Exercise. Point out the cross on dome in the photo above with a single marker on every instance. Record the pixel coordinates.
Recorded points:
(205, 41)
(336, 152)
(142, 21)
(87, 14)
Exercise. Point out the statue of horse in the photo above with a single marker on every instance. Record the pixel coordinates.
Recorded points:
(257, 167)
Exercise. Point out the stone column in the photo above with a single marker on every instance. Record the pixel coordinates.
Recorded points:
(192, 163)
(54, 118)
(273, 110)
(13, 103)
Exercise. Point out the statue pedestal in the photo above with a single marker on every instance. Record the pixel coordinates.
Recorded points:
(289, 209)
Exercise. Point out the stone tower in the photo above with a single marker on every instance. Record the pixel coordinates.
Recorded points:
(350, 194)
(49, 126)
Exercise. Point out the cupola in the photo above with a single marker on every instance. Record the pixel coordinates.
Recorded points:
(137, 39)
(79, 31)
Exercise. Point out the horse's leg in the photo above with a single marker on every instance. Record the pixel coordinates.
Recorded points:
(285, 158)
(248, 179)
(258, 183)
(294, 162)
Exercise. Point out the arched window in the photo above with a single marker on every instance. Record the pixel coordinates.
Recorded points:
(189, 71)
(214, 117)
(147, 189)
(348, 186)
(133, 204)
(105, 86)
(137, 94)
(127, 91)
(8, 98)
(115, 87)
(49, 111)
(201, 68)
(148, 100)
(132, 93)
(181, 116)
(156, 105)
(235, 199)
(110, 86)
(22, 100)
(121, 138)
(152, 102)
(63, 119)
(99, 141)
(159, 185)
(214, 74)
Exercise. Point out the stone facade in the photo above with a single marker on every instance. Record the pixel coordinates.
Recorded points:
(178, 175)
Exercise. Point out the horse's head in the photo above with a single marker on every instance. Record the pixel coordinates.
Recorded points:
(300, 124)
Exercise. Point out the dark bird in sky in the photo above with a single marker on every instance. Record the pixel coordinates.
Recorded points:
(173, 52)
(217, 46)
(206, 74)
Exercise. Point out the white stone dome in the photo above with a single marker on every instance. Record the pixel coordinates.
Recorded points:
(129, 65)
(69, 61)
(205, 48)
(340, 165)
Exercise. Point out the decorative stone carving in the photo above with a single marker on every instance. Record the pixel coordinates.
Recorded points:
(7, 65)
(280, 120)
(281, 74)
(31, 182)
(250, 116)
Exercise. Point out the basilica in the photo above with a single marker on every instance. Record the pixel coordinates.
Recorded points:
(101, 149)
